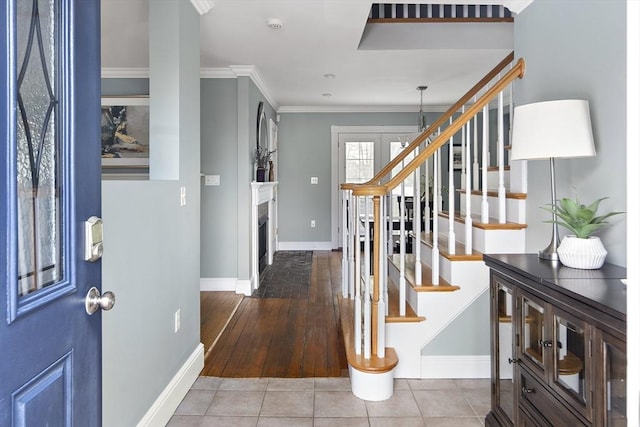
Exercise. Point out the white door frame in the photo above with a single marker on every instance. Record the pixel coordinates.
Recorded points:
(335, 173)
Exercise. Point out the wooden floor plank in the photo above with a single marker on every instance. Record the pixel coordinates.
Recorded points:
(286, 338)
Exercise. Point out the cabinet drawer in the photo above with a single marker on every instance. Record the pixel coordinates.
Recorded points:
(539, 401)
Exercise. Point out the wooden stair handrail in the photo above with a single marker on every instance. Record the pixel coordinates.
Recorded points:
(365, 189)
(433, 127)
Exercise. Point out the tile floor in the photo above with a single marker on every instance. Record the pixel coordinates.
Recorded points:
(329, 402)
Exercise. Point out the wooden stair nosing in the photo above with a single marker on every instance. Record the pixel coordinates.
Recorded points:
(443, 248)
(493, 223)
(494, 193)
(374, 365)
(442, 286)
(497, 168)
(394, 309)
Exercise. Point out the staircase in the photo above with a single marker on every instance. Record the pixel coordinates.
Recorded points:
(402, 285)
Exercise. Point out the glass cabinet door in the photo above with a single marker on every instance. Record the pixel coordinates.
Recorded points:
(504, 308)
(532, 332)
(571, 358)
(615, 384)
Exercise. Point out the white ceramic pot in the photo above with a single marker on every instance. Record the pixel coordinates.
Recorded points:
(586, 254)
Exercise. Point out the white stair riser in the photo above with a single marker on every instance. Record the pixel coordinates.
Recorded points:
(493, 179)
(487, 241)
(516, 208)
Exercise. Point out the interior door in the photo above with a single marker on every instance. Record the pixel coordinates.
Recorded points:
(49, 185)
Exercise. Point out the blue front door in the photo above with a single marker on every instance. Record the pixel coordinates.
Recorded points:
(50, 347)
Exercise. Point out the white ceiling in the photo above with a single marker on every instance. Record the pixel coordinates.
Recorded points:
(318, 37)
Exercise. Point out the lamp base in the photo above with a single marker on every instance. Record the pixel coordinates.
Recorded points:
(549, 253)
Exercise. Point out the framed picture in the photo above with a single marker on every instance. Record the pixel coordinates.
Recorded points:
(457, 157)
(125, 132)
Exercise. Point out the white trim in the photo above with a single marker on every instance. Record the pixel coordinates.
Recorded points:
(243, 287)
(304, 246)
(125, 73)
(252, 72)
(167, 402)
(335, 185)
(222, 284)
(202, 6)
(217, 73)
(359, 109)
(517, 6)
(456, 366)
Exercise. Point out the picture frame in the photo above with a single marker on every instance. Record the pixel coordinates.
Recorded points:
(457, 157)
(125, 132)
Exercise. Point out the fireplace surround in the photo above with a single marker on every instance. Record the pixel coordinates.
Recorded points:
(264, 222)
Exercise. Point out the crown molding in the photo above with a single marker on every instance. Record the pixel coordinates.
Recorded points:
(361, 109)
(203, 6)
(517, 6)
(124, 73)
(217, 73)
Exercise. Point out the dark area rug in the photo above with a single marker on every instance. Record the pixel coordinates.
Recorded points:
(288, 277)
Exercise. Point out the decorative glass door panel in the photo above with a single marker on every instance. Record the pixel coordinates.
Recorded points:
(504, 310)
(532, 325)
(39, 189)
(615, 374)
(569, 360)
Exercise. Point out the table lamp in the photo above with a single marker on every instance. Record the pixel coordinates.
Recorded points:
(552, 130)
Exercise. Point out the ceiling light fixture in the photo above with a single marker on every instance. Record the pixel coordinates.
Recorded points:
(422, 121)
(326, 95)
(274, 23)
(329, 76)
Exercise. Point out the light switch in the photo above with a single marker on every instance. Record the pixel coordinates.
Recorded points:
(212, 180)
(314, 179)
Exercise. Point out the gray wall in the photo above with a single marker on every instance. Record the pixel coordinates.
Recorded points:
(577, 49)
(151, 244)
(468, 334)
(304, 150)
(229, 113)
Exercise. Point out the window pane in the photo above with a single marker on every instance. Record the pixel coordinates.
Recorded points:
(38, 186)
(359, 163)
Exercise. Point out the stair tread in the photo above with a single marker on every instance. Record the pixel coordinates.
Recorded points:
(493, 223)
(497, 168)
(373, 365)
(442, 286)
(394, 308)
(494, 193)
(443, 247)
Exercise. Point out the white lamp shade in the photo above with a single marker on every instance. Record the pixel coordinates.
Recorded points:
(552, 129)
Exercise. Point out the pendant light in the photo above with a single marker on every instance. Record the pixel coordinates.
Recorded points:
(422, 121)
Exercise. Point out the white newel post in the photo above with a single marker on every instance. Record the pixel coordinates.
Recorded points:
(262, 192)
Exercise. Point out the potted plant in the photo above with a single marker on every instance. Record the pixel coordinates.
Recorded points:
(580, 250)
(262, 158)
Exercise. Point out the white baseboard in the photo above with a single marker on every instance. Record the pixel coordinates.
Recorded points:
(218, 284)
(230, 284)
(166, 404)
(456, 366)
(305, 246)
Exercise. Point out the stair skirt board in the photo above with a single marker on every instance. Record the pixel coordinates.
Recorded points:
(435, 367)
(374, 387)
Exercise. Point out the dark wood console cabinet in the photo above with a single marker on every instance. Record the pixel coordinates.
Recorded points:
(558, 344)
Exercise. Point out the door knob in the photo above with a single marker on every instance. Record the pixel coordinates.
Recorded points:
(94, 300)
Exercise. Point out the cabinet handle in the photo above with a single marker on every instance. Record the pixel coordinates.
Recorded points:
(528, 390)
(546, 343)
(512, 361)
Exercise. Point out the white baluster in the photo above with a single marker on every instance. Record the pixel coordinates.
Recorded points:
(485, 164)
(367, 282)
(435, 251)
(403, 250)
(353, 234)
(345, 244)
(468, 223)
(383, 258)
(463, 157)
(389, 222)
(440, 197)
(502, 192)
(452, 189)
(476, 165)
(357, 305)
(417, 225)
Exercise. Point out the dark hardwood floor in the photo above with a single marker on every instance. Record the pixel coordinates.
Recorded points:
(280, 337)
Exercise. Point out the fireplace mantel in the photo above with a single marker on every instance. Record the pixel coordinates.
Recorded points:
(262, 192)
